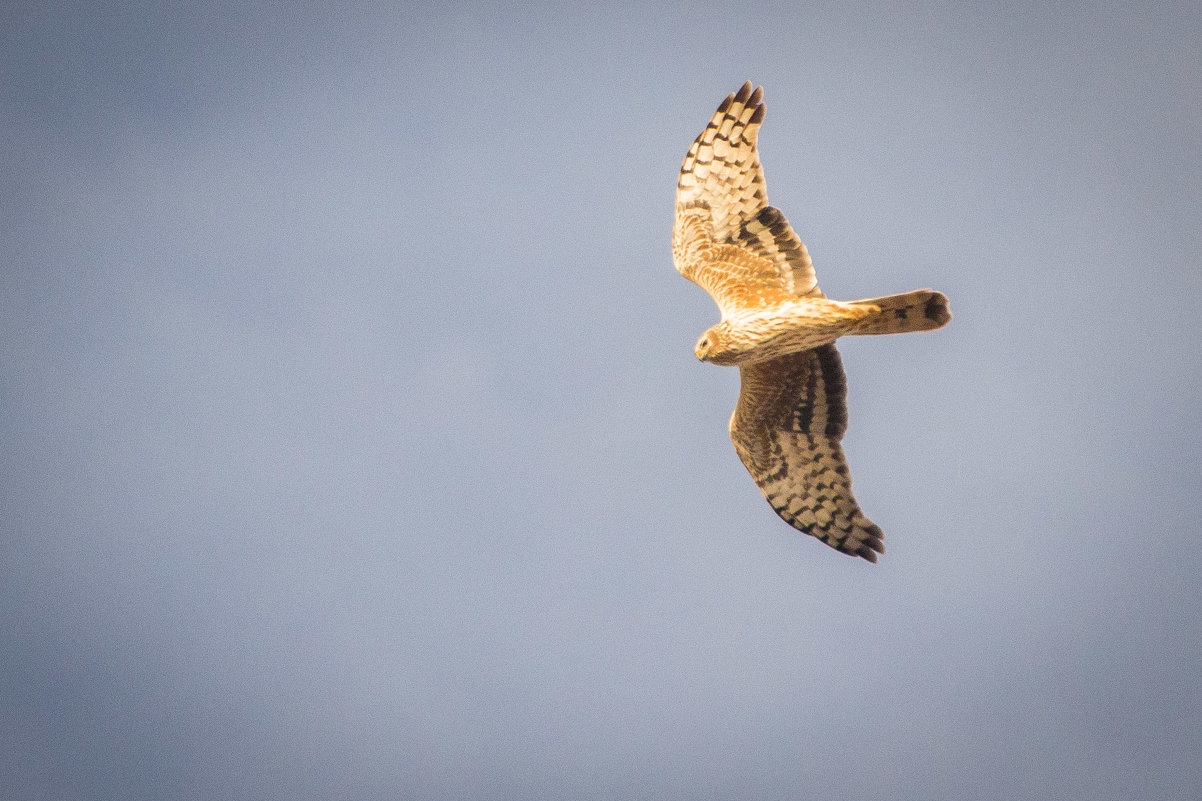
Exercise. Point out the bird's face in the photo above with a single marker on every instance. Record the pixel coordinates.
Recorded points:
(714, 346)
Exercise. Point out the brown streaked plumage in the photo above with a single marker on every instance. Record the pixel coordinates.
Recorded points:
(780, 329)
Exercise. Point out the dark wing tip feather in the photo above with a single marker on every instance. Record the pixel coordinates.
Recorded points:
(865, 541)
(866, 553)
(872, 546)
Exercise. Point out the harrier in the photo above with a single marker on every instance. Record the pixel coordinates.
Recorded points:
(780, 329)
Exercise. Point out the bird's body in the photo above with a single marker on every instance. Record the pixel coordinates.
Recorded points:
(780, 329)
(755, 336)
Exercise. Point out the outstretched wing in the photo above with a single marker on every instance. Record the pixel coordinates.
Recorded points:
(726, 235)
(791, 415)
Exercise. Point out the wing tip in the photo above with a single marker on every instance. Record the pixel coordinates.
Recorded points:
(866, 542)
(747, 98)
(868, 550)
(752, 99)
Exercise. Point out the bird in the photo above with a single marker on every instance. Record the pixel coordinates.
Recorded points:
(779, 329)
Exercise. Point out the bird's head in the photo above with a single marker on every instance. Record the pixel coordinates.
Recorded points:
(715, 345)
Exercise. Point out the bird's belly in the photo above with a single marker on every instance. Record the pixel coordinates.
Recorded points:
(795, 328)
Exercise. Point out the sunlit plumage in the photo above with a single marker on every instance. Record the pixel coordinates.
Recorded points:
(780, 329)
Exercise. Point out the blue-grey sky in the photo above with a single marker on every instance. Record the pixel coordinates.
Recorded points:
(353, 445)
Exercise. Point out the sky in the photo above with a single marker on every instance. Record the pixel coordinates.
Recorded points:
(353, 445)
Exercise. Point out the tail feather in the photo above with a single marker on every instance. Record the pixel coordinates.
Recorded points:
(920, 310)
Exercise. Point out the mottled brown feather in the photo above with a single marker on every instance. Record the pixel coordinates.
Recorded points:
(790, 418)
(721, 200)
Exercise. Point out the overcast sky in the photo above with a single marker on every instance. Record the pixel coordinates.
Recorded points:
(353, 445)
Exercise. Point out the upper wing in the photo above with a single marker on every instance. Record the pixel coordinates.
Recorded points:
(722, 210)
(791, 415)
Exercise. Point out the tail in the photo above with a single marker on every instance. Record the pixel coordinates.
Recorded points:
(920, 310)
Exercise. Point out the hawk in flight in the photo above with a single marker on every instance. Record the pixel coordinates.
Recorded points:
(780, 329)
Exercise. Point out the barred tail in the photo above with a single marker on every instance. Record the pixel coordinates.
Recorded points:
(920, 310)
